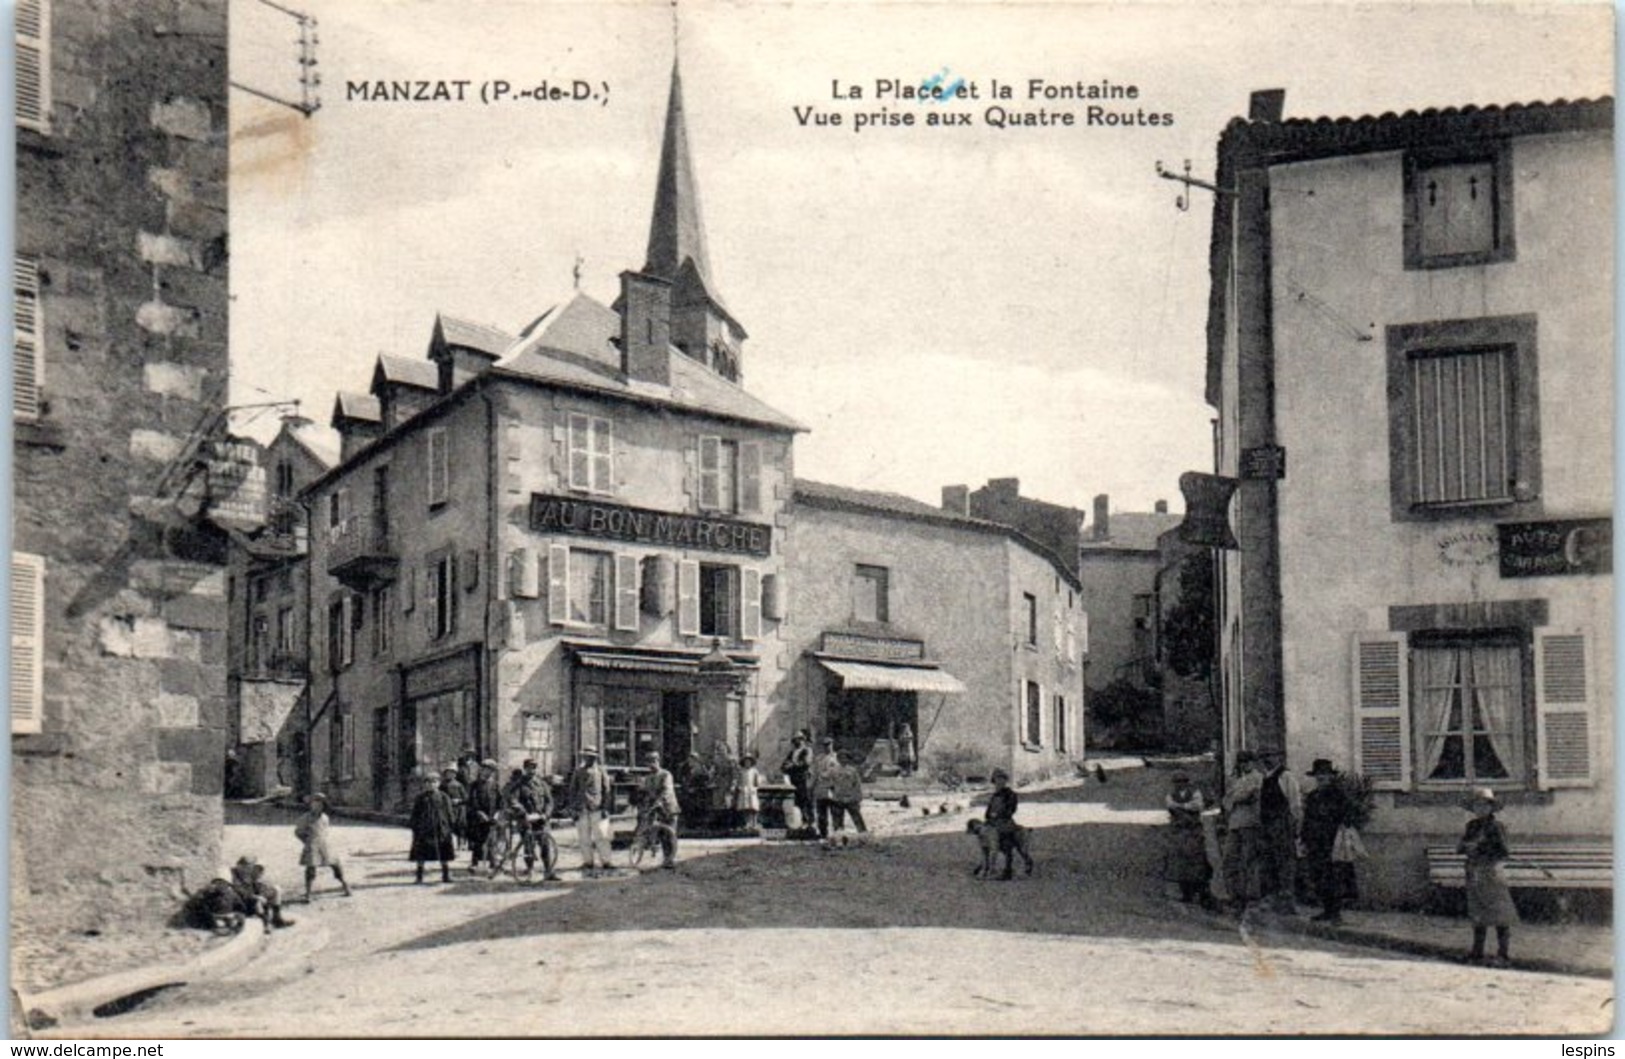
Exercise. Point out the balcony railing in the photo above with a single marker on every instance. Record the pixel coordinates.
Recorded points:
(359, 552)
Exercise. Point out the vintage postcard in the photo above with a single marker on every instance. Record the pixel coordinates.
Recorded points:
(541, 519)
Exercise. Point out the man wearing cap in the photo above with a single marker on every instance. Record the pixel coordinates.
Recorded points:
(590, 802)
(797, 769)
(533, 797)
(1241, 821)
(660, 798)
(484, 803)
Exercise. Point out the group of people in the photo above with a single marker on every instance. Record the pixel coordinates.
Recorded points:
(828, 787)
(1272, 827)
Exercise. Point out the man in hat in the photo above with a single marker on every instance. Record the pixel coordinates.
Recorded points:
(1280, 817)
(1241, 820)
(824, 771)
(660, 799)
(1325, 810)
(797, 769)
(484, 803)
(590, 804)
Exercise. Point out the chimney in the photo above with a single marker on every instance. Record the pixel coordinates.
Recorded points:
(1162, 507)
(1102, 517)
(1004, 488)
(1266, 105)
(956, 499)
(645, 328)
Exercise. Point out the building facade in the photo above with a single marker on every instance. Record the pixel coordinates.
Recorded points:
(122, 470)
(1406, 367)
(533, 541)
(967, 631)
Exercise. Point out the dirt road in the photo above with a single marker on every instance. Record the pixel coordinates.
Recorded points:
(790, 939)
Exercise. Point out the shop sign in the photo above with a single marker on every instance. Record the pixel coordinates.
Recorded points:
(1556, 548)
(1267, 462)
(442, 674)
(1207, 510)
(636, 525)
(877, 650)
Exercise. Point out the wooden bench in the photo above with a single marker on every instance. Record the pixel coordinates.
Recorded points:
(1566, 865)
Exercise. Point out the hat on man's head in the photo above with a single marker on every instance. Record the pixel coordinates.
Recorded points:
(318, 797)
(828, 740)
(1244, 757)
(1181, 777)
(448, 771)
(589, 751)
(1482, 796)
(1321, 767)
(489, 763)
(529, 763)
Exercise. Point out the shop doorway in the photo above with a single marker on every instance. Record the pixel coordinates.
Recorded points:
(676, 728)
(865, 723)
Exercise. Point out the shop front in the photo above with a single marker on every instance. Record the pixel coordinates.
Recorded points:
(880, 694)
(439, 715)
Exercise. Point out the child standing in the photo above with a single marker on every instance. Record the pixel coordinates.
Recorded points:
(432, 829)
(745, 797)
(1185, 861)
(1489, 899)
(1001, 816)
(312, 831)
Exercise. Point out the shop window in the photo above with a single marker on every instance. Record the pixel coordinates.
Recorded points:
(1458, 208)
(28, 357)
(1464, 417)
(730, 475)
(1035, 715)
(871, 593)
(589, 588)
(27, 643)
(631, 726)
(592, 462)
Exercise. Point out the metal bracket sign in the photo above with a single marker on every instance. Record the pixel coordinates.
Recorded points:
(1267, 462)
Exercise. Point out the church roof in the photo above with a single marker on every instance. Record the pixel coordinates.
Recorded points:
(575, 345)
(675, 233)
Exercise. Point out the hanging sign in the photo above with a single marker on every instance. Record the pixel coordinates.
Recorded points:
(1557, 548)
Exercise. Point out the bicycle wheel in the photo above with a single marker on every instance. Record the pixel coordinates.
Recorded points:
(496, 847)
(639, 846)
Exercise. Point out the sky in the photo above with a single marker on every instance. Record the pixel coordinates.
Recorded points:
(938, 304)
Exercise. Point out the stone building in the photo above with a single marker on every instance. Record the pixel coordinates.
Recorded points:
(1057, 527)
(968, 631)
(1119, 565)
(1408, 366)
(268, 649)
(122, 467)
(616, 514)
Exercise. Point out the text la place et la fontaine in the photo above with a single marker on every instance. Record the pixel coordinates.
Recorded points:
(1035, 102)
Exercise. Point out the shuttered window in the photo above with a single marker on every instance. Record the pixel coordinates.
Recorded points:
(730, 475)
(1462, 422)
(27, 643)
(34, 64)
(626, 593)
(1381, 705)
(28, 365)
(688, 597)
(1563, 731)
(750, 604)
(750, 477)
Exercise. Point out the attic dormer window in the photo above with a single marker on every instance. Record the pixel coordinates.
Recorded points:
(1458, 208)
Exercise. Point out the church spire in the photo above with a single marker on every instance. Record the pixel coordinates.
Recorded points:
(675, 234)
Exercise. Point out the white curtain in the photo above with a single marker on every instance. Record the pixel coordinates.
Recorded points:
(1438, 673)
(1498, 684)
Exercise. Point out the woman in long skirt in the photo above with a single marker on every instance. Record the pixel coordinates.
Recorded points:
(1489, 898)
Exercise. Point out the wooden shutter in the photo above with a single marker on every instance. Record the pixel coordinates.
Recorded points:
(1382, 735)
(657, 585)
(522, 574)
(1563, 737)
(750, 604)
(558, 583)
(28, 375)
(431, 598)
(469, 571)
(710, 478)
(27, 643)
(409, 589)
(688, 597)
(34, 64)
(439, 467)
(750, 477)
(626, 593)
(346, 630)
(580, 453)
(773, 597)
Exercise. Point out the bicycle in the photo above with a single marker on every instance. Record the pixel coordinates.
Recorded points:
(654, 831)
(516, 836)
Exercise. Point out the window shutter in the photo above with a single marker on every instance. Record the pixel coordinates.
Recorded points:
(710, 483)
(347, 622)
(1057, 631)
(27, 364)
(773, 597)
(409, 589)
(580, 451)
(431, 598)
(522, 574)
(469, 571)
(657, 585)
(34, 64)
(558, 583)
(27, 643)
(603, 456)
(750, 605)
(750, 477)
(1382, 740)
(1563, 738)
(626, 593)
(590, 706)
(439, 467)
(688, 597)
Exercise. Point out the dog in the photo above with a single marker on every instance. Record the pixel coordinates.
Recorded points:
(993, 842)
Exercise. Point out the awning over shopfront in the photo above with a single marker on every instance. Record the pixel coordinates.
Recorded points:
(647, 661)
(868, 676)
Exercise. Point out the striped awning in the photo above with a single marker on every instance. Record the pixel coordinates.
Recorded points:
(867, 676)
(637, 663)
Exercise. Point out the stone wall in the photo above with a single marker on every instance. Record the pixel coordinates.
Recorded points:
(122, 202)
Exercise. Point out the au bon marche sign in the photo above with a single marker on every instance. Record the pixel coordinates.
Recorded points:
(618, 522)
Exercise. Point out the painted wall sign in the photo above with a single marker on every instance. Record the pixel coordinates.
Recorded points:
(1468, 548)
(881, 650)
(617, 522)
(1552, 549)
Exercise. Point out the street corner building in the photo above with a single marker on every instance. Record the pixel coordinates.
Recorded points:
(1411, 352)
(589, 533)
(126, 485)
